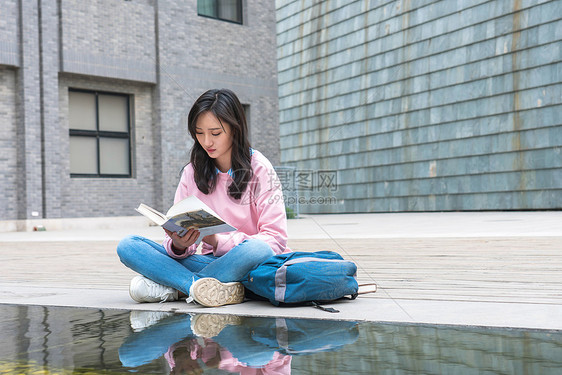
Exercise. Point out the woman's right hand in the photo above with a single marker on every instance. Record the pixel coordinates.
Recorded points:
(182, 243)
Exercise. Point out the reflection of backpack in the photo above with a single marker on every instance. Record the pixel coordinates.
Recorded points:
(303, 277)
(304, 336)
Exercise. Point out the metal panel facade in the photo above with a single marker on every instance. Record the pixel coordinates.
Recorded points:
(422, 106)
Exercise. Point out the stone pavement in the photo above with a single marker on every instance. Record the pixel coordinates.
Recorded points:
(499, 269)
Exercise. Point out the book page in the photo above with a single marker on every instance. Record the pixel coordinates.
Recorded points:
(152, 214)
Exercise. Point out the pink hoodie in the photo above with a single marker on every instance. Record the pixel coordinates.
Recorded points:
(207, 351)
(259, 214)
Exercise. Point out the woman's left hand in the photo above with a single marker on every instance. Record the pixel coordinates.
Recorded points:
(182, 243)
(211, 240)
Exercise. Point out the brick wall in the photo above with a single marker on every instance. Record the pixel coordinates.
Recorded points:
(162, 53)
(109, 38)
(9, 50)
(8, 143)
(200, 53)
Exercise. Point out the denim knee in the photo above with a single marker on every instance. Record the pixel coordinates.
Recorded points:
(126, 246)
(260, 250)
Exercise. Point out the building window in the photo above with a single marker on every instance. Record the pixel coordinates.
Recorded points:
(100, 125)
(225, 10)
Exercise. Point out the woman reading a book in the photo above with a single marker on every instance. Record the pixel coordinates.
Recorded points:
(241, 186)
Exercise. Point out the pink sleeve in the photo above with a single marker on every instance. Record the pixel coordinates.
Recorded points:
(210, 350)
(181, 193)
(271, 216)
(168, 246)
(279, 365)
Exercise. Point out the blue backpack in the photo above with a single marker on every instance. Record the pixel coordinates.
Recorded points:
(303, 278)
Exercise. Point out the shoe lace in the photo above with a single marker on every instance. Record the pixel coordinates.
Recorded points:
(161, 292)
(189, 298)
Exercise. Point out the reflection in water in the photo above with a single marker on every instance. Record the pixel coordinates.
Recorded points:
(68, 340)
(231, 343)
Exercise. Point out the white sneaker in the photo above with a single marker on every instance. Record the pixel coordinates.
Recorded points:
(212, 293)
(210, 325)
(141, 320)
(146, 290)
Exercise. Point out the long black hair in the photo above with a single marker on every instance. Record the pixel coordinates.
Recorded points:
(226, 107)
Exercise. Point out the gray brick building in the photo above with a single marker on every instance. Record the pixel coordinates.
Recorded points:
(422, 105)
(94, 97)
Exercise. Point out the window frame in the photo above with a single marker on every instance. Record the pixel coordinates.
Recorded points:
(240, 7)
(97, 134)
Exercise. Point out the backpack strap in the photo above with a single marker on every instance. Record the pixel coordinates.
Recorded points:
(352, 297)
(282, 333)
(327, 309)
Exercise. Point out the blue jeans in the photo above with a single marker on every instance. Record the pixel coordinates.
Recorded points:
(150, 344)
(151, 260)
(153, 342)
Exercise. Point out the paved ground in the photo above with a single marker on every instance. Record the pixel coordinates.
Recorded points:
(487, 269)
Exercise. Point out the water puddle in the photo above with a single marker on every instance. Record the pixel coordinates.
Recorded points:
(48, 340)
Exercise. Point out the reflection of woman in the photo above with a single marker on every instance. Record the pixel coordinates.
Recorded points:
(183, 358)
(231, 343)
(239, 184)
(232, 347)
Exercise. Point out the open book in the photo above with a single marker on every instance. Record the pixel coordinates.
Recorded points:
(188, 213)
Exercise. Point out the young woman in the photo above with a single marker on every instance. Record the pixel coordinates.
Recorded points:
(239, 184)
